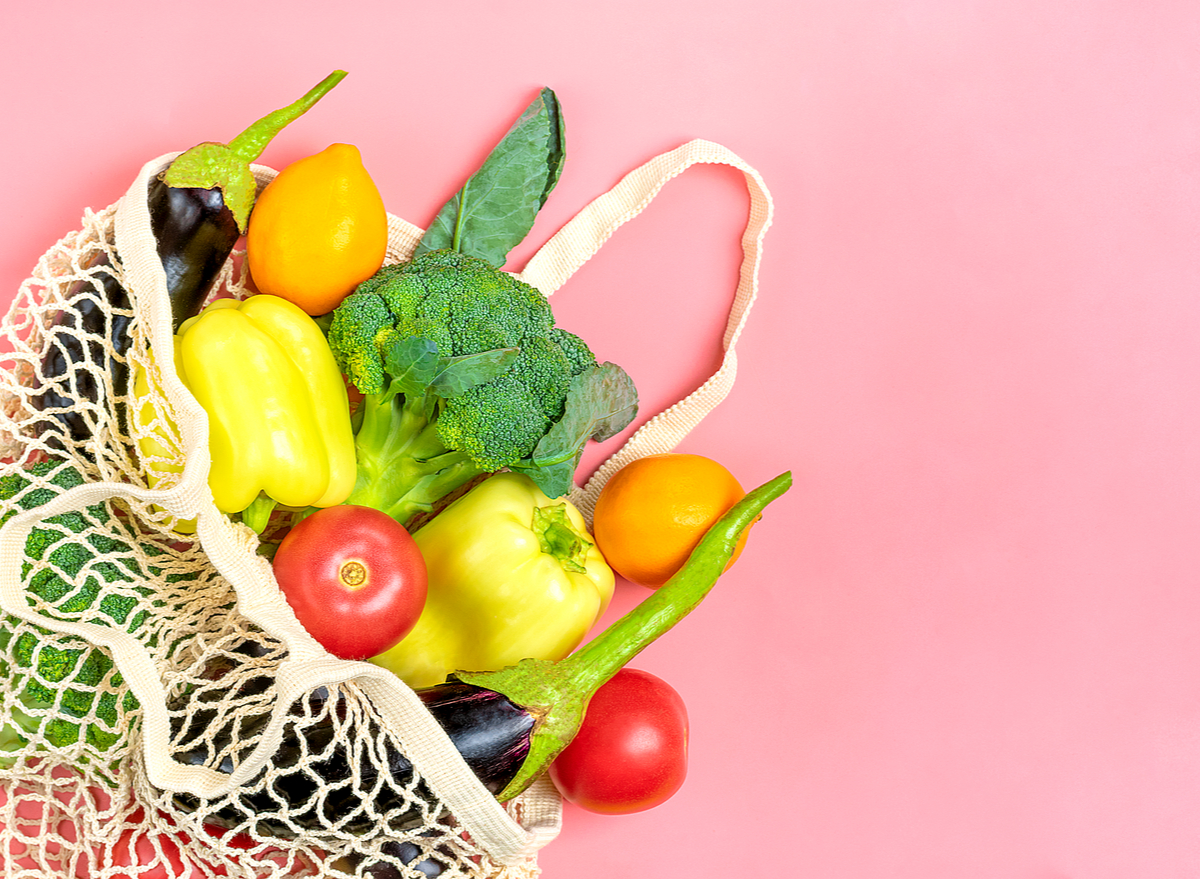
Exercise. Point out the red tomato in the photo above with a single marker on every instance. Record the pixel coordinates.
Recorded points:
(354, 578)
(151, 856)
(631, 752)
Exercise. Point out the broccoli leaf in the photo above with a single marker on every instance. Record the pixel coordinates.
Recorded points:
(411, 363)
(459, 374)
(601, 402)
(416, 368)
(496, 207)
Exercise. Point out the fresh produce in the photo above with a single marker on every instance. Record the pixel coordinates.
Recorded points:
(158, 440)
(198, 209)
(154, 855)
(508, 725)
(489, 732)
(167, 851)
(495, 209)
(93, 579)
(354, 578)
(279, 416)
(318, 230)
(461, 366)
(512, 575)
(409, 854)
(463, 373)
(631, 752)
(653, 511)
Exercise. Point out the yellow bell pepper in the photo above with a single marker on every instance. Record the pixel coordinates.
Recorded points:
(158, 442)
(279, 417)
(512, 575)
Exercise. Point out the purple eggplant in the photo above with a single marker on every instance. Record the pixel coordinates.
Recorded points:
(199, 208)
(416, 861)
(75, 339)
(508, 725)
(490, 732)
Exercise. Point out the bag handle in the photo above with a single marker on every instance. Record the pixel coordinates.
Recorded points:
(579, 240)
(494, 827)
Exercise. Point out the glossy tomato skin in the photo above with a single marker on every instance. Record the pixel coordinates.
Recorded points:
(354, 577)
(631, 752)
(151, 856)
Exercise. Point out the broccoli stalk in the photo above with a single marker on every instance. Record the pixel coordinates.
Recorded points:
(404, 467)
(463, 373)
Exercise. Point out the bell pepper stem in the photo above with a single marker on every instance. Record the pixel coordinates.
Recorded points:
(258, 514)
(557, 693)
(558, 538)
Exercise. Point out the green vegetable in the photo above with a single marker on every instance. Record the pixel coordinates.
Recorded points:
(512, 574)
(464, 373)
(227, 166)
(93, 578)
(557, 693)
(496, 207)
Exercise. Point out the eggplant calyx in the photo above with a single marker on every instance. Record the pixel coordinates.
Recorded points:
(557, 693)
(213, 166)
(227, 166)
(546, 690)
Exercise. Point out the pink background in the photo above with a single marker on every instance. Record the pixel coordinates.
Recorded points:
(968, 642)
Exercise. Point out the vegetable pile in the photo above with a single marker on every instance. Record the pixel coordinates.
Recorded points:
(464, 373)
(400, 439)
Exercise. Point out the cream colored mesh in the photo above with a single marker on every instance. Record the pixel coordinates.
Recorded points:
(116, 609)
(161, 707)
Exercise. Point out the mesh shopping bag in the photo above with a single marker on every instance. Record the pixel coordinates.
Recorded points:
(160, 703)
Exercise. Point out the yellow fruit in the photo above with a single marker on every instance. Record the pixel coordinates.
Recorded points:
(652, 513)
(318, 230)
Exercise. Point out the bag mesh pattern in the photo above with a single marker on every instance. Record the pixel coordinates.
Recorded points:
(161, 709)
(77, 798)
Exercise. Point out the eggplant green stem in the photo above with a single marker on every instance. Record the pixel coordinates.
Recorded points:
(557, 693)
(227, 166)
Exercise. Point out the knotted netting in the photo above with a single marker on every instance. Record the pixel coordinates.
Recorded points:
(160, 705)
(162, 712)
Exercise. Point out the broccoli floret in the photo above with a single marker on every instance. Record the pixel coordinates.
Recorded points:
(463, 373)
(68, 573)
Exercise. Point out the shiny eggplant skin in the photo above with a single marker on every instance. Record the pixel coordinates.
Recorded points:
(488, 730)
(407, 853)
(85, 315)
(195, 234)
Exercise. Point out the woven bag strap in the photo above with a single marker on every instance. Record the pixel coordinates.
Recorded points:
(582, 237)
(307, 666)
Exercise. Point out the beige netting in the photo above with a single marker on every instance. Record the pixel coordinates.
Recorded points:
(160, 706)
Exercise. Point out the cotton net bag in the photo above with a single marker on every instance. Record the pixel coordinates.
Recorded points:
(156, 691)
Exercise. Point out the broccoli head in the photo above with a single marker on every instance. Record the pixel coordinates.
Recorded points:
(73, 570)
(463, 373)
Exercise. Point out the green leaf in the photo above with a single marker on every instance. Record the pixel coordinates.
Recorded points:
(601, 402)
(496, 207)
(555, 479)
(412, 363)
(459, 374)
(416, 368)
